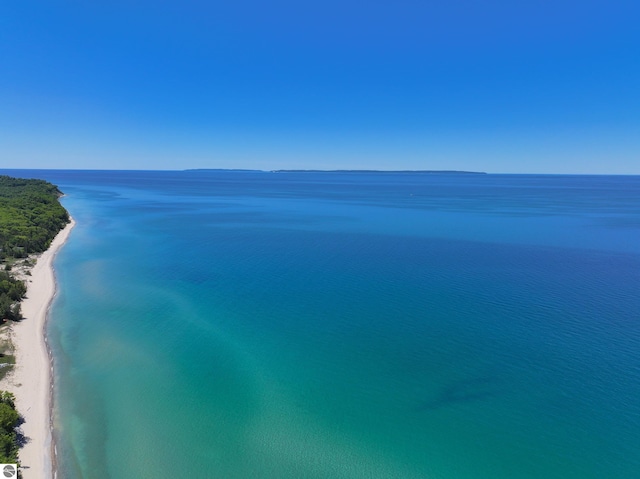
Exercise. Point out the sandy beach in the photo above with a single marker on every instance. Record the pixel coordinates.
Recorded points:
(30, 380)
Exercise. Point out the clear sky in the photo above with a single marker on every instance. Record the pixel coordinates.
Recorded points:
(497, 86)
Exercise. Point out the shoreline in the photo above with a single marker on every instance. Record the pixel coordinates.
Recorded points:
(31, 379)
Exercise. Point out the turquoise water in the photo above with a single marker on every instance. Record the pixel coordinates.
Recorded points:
(308, 325)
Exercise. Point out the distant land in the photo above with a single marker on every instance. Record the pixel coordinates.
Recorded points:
(221, 169)
(427, 172)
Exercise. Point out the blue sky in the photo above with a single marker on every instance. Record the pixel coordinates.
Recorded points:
(498, 86)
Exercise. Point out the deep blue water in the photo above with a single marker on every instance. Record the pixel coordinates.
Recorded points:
(347, 325)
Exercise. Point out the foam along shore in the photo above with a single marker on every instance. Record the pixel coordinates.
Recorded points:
(30, 379)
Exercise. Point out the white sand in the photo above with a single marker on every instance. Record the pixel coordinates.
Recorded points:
(30, 380)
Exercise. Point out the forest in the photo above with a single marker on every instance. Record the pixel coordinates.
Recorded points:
(30, 216)
(9, 419)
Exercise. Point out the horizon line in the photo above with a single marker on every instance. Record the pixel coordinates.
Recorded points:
(315, 170)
